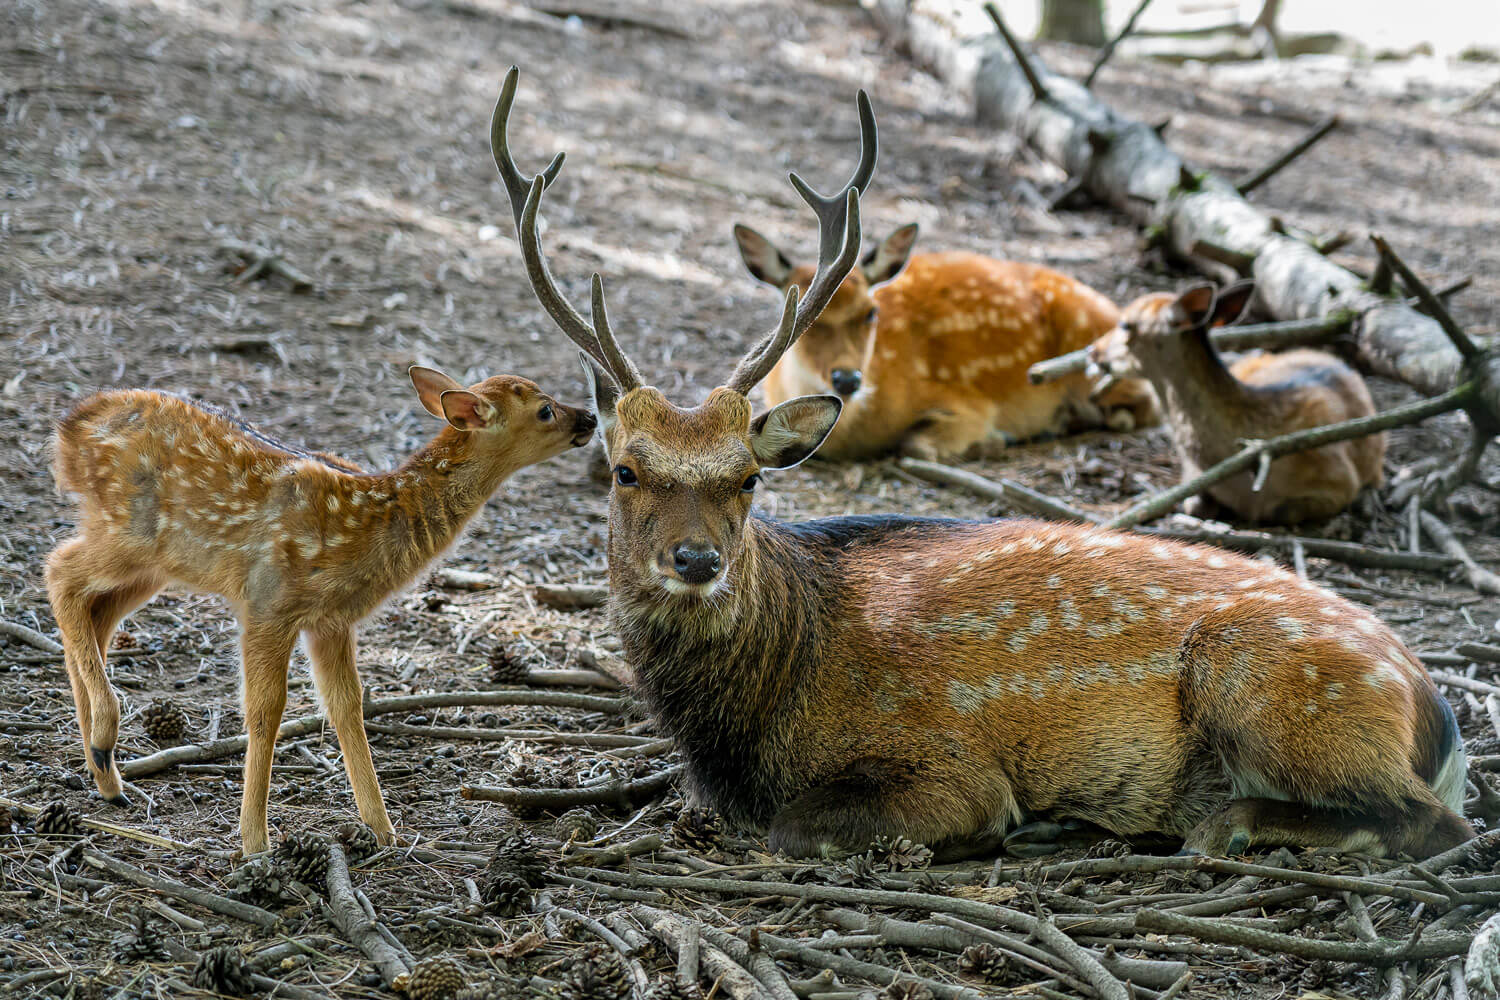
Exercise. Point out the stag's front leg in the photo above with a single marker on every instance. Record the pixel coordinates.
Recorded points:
(873, 798)
(337, 677)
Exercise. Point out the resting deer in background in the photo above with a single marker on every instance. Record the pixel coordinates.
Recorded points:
(1214, 409)
(842, 679)
(933, 364)
(297, 542)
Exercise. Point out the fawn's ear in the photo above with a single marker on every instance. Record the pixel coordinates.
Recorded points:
(468, 411)
(761, 256)
(1232, 303)
(603, 395)
(788, 434)
(431, 384)
(889, 256)
(1195, 307)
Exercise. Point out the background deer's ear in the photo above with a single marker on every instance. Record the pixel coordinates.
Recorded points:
(1195, 307)
(603, 395)
(468, 411)
(431, 384)
(788, 434)
(889, 256)
(767, 263)
(1232, 303)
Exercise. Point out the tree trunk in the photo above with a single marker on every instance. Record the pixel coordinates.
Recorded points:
(1077, 21)
(1123, 163)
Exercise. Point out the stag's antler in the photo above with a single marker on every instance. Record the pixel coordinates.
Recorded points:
(596, 340)
(838, 247)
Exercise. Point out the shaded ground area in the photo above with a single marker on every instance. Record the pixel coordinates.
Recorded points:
(139, 139)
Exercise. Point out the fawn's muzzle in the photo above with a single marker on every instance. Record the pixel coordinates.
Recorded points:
(583, 428)
(695, 562)
(846, 381)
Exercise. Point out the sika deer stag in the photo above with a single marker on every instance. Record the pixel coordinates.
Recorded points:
(297, 542)
(843, 679)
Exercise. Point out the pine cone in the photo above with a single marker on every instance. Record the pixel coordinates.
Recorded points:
(506, 895)
(697, 828)
(903, 990)
(223, 970)
(862, 872)
(985, 961)
(597, 974)
(140, 941)
(1109, 847)
(900, 854)
(671, 989)
(516, 855)
(358, 840)
(123, 640)
(575, 824)
(436, 978)
(7, 821)
(305, 857)
(55, 819)
(263, 881)
(507, 665)
(165, 722)
(505, 990)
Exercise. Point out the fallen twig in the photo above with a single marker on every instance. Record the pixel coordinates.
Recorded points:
(1301, 146)
(1004, 491)
(1114, 43)
(571, 596)
(344, 911)
(1380, 952)
(1480, 578)
(260, 260)
(1038, 88)
(1351, 553)
(30, 636)
(619, 794)
(222, 905)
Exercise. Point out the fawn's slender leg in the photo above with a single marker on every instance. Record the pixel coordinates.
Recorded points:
(265, 651)
(80, 604)
(337, 677)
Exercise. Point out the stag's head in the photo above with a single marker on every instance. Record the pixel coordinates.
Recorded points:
(684, 478)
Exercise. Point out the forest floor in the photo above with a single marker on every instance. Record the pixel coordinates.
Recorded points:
(350, 138)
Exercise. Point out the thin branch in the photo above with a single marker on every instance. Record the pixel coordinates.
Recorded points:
(1480, 578)
(1038, 88)
(1005, 491)
(571, 596)
(1301, 146)
(1431, 303)
(1293, 333)
(344, 911)
(167, 887)
(1155, 506)
(1113, 43)
(30, 636)
(1378, 953)
(620, 794)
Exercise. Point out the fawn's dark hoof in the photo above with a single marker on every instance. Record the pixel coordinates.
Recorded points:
(121, 800)
(103, 759)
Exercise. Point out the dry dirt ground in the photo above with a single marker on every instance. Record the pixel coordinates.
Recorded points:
(350, 137)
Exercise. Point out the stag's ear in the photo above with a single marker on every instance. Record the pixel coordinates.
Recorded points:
(888, 258)
(1194, 308)
(788, 434)
(1230, 306)
(431, 384)
(761, 256)
(603, 395)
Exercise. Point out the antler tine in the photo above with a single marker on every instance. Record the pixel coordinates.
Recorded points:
(763, 356)
(596, 340)
(517, 184)
(624, 371)
(838, 248)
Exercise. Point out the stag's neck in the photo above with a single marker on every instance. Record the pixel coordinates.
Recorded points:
(726, 675)
(1205, 403)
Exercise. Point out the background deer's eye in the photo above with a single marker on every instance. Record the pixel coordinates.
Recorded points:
(751, 481)
(545, 413)
(625, 476)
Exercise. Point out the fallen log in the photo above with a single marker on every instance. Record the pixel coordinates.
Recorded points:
(1196, 215)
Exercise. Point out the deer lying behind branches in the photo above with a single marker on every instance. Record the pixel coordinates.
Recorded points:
(297, 542)
(854, 677)
(933, 364)
(1214, 409)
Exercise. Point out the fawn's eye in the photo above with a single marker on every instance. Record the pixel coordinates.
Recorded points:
(625, 476)
(870, 316)
(751, 481)
(545, 413)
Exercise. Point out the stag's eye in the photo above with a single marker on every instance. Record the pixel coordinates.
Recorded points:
(545, 413)
(625, 476)
(751, 481)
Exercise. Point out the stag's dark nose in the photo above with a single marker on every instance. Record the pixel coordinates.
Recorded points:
(696, 562)
(845, 380)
